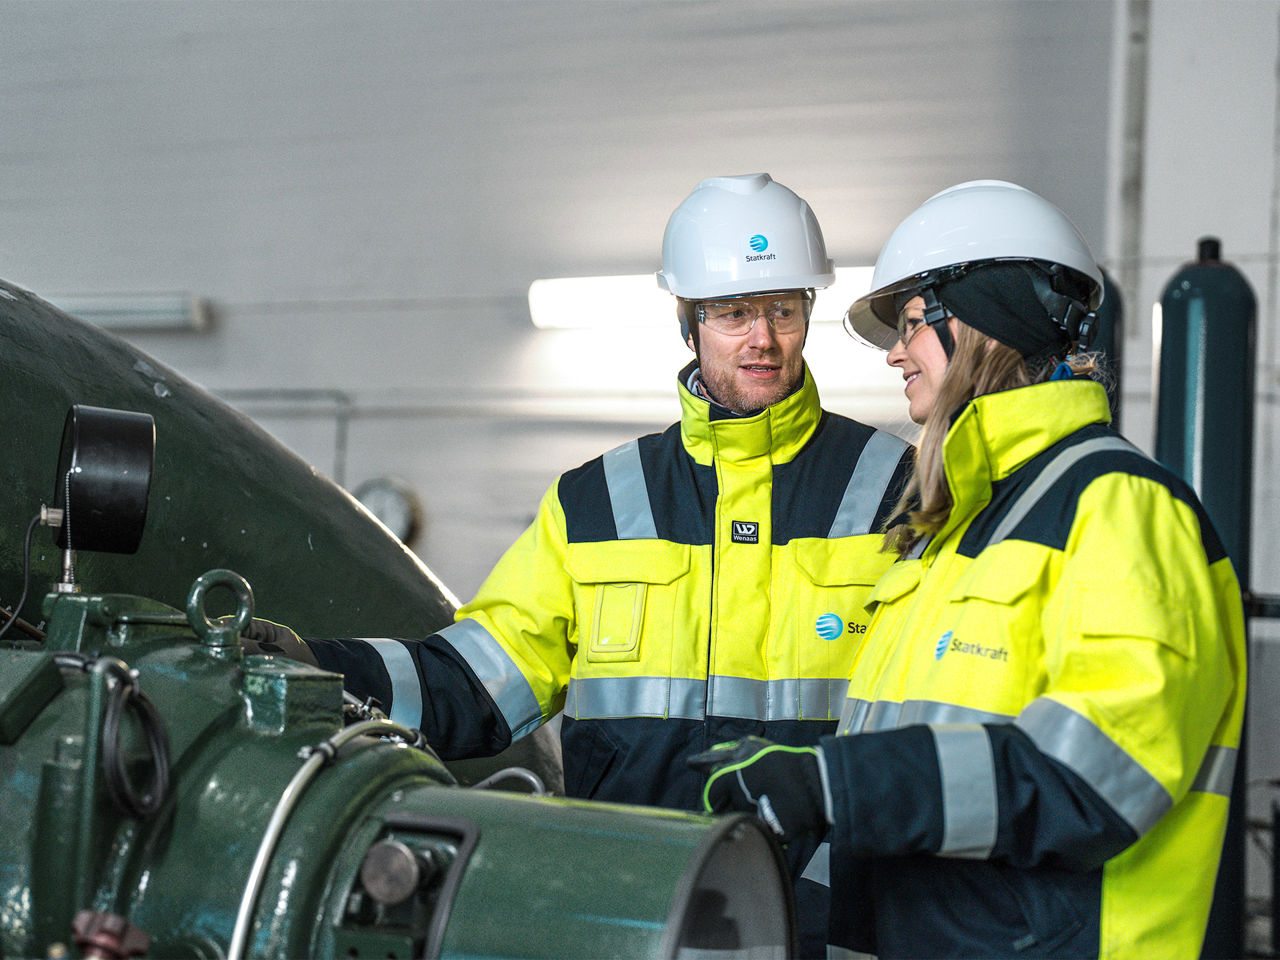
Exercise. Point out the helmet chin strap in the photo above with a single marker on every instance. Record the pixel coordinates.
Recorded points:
(935, 315)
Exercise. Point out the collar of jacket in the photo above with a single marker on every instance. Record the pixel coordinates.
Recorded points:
(997, 433)
(777, 432)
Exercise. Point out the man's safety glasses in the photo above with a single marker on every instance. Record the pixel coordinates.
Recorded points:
(736, 318)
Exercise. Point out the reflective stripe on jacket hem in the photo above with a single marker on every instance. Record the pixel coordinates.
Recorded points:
(494, 668)
(1067, 737)
(682, 698)
(818, 869)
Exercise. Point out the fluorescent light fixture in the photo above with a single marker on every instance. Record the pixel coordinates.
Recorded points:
(582, 303)
(635, 300)
(141, 311)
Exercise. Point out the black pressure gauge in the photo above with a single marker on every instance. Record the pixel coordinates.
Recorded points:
(104, 478)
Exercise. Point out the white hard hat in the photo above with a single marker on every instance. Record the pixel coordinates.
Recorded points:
(739, 235)
(978, 221)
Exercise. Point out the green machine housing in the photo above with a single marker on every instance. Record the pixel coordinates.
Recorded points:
(168, 796)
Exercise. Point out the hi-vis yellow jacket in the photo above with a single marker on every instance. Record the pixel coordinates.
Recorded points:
(1035, 757)
(675, 592)
(686, 587)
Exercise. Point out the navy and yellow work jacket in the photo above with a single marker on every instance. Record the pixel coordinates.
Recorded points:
(1036, 754)
(680, 590)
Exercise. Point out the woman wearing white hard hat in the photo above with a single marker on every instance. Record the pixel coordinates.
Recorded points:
(1035, 755)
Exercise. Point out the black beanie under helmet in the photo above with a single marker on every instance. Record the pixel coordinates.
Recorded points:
(1000, 300)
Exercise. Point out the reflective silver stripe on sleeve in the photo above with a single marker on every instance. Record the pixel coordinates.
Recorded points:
(1050, 475)
(868, 485)
(866, 716)
(1217, 771)
(1076, 741)
(969, 808)
(819, 867)
(624, 476)
(499, 674)
(406, 688)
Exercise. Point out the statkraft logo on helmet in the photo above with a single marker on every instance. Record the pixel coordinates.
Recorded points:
(760, 243)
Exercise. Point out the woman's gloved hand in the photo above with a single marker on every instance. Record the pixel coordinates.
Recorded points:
(785, 787)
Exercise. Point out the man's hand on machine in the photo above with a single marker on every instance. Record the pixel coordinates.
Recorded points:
(275, 639)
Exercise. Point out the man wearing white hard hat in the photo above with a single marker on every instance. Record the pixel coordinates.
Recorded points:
(691, 586)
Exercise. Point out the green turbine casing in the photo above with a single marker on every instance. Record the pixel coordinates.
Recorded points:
(502, 875)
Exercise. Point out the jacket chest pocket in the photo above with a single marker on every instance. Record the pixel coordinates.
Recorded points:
(624, 595)
(995, 606)
(897, 581)
(821, 611)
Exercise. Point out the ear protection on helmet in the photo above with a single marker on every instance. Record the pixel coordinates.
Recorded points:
(1057, 289)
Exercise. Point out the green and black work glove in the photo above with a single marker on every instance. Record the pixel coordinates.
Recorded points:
(275, 639)
(785, 787)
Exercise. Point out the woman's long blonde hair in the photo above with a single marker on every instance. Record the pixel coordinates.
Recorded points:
(978, 365)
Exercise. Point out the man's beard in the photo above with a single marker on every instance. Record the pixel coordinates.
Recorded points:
(724, 389)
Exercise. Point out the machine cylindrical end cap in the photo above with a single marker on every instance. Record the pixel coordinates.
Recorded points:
(1209, 250)
(390, 872)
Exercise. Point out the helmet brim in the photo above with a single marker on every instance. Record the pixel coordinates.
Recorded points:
(872, 318)
(863, 324)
